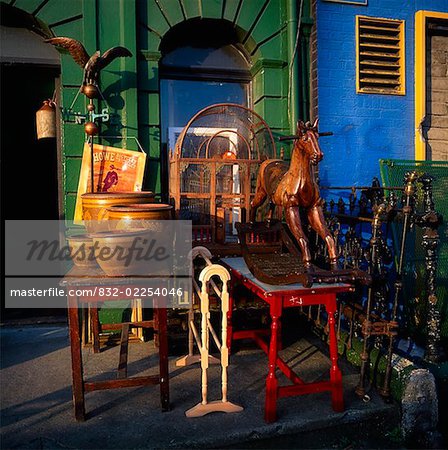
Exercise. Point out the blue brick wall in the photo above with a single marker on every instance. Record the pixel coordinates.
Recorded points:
(367, 127)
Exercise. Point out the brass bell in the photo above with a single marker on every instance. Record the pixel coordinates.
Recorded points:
(90, 91)
(46, 120)
(91, 128)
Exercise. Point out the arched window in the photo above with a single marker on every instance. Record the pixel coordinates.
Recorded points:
(202, 64)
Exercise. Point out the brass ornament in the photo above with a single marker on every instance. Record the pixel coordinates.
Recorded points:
(91, 128)
(90, 91)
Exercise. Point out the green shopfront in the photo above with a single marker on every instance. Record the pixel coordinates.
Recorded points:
(187, 54)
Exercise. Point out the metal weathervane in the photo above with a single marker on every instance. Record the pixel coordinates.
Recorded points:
(92, 66)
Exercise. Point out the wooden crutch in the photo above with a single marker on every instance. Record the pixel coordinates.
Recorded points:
(191, 358)
(223, 405)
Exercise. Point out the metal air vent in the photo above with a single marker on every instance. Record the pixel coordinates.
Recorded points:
(380, 55)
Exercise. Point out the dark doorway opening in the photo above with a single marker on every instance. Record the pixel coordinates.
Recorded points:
(29, 169)
(29, 166)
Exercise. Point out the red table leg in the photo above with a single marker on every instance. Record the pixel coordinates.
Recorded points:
(270, 407)
(77, 369)
(337, 398)
(279, 333)
(288, 298)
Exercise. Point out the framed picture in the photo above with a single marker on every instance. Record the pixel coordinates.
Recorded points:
(349, 2)
(115, 169)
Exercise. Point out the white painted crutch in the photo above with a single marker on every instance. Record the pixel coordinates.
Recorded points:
(223, 405)
(191, 358)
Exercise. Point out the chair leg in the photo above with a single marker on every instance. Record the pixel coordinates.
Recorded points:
(95, 320)
(156, 327)
(85, 326)
(76, 354)
(162, 333)
(123, 362)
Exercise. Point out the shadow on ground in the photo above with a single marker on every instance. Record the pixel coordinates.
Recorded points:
(36, 409)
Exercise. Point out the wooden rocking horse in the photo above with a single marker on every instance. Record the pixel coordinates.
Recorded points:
(293, 187)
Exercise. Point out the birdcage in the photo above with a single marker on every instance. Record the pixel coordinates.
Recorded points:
(213, 171)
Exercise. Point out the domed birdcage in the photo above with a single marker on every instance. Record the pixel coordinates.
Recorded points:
(213, 169)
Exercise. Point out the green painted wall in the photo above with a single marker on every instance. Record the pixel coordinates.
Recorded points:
(266, 29)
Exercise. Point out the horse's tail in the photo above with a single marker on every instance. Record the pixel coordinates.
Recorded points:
(260, 191)
(261, 177)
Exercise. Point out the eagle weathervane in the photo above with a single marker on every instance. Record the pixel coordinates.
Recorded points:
(92, 65)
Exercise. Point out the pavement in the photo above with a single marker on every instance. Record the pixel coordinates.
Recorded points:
(36, 404)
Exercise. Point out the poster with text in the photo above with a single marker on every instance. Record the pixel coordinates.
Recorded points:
(115, 170)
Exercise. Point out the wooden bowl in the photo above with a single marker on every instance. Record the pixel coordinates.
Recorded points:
(81, 251)
(95, 205)
(138, 216)
(113, 254)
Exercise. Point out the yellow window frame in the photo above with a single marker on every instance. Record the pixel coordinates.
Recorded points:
(421, 19)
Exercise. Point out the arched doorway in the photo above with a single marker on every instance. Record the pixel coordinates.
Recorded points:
(202, 64)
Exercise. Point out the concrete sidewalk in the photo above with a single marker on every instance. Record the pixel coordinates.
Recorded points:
(36, 407)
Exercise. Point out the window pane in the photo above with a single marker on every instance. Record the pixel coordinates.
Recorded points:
(181, 99)
(226, 58)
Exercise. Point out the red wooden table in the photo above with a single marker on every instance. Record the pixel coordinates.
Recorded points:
(81, 291)
(278, 298)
